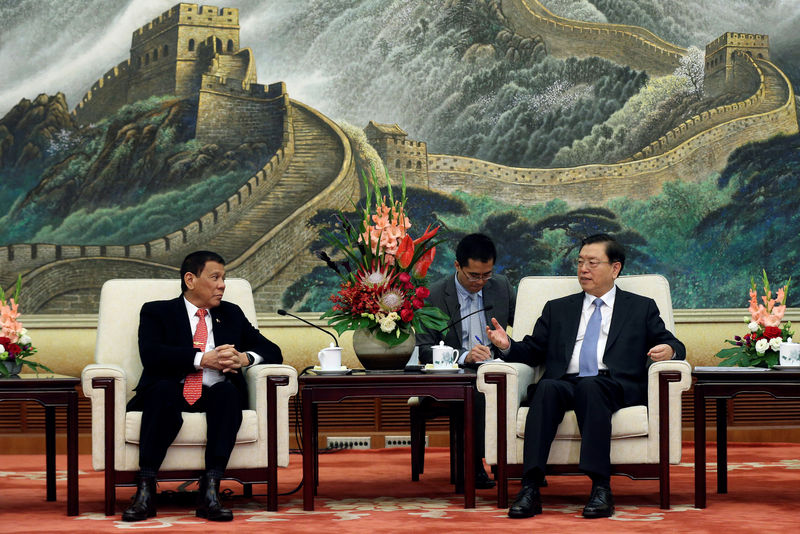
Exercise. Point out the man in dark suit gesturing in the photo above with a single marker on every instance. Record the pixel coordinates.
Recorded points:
(596, 346)
(472, 289)
(194, 349)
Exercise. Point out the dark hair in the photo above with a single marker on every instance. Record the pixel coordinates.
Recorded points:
(475, 247)
(614, 250)
(195, 262)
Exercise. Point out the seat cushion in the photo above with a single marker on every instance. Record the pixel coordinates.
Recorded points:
(193, 431)
(625, 423)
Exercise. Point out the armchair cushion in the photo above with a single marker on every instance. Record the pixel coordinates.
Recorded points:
(625, 423)
(193, 431)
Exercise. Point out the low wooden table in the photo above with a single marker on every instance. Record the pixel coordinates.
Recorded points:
(52, 391)
(316, 390)
(723, 385)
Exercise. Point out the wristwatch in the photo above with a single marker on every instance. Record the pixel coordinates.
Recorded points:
(250, 359)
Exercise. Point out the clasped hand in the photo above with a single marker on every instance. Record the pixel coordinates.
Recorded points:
(223, 358)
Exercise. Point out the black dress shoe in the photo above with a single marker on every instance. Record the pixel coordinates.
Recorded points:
(482, 480)
(527, 504)
(210, 506)
(601, 503)
(144, 502)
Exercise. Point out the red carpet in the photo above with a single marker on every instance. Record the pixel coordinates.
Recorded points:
(371, 491)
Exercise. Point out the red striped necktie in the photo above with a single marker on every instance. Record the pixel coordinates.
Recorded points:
(193, 385)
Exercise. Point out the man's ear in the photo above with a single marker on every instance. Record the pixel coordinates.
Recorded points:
(189, 279)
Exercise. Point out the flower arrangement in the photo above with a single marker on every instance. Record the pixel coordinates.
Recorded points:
(15, 343)
(760, 347)
(383, 274)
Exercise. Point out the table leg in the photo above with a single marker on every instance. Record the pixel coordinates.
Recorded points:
(72, 453)
(50, 451)
(699, 447)
(469, 449)
(722, 446)
(308, 452)
(315, 436)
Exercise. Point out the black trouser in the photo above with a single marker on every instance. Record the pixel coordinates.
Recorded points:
(161, 405)
(594, 399)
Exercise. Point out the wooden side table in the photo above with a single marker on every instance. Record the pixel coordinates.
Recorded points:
(331, 389)
(721, 385)
(52, 391)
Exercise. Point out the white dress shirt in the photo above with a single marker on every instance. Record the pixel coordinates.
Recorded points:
(210, 376)
(587, 310)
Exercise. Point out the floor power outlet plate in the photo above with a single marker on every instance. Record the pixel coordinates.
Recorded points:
(400, 441)
(354, 442)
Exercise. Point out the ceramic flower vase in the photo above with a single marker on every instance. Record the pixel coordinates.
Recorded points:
(13, 367)
(377, 355)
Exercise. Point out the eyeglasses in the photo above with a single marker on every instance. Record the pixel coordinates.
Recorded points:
(591, 264)
(475, 277)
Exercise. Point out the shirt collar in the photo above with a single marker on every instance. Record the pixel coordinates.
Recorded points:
(608, 299)
(463, 292)
(191, 309)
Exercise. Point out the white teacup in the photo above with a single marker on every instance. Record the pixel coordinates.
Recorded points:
(790, 354)
(330, 358)
(443, 356)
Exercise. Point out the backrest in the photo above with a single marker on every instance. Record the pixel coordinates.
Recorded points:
(534, 291)
(118, 318)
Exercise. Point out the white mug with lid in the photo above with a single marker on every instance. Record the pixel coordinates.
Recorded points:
(444, 356)
(330, 358)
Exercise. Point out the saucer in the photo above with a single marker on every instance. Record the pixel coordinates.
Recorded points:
(442, 370)
(331, 372)
(786, 367)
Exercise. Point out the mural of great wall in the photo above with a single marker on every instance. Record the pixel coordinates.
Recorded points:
(194, 51)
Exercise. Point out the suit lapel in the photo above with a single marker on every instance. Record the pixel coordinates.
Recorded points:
(453, 307)
(619, 317)
(218, 326)
(572, 322)
(183, 326)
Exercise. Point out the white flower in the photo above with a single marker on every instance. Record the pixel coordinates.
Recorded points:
(387, 325)
(762, 345)
(25, 340)
(752, 326)
(2, 349)
(23, 331)
(775, 343)
(747, 319)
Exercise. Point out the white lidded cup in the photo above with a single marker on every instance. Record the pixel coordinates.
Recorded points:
(790, 353)
(330, 358)
(443, 356)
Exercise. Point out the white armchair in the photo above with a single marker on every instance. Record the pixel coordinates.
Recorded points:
(644, 439)
(262, 443)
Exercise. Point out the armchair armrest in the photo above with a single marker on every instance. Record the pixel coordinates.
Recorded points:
(269, 388)
(517, 377)
(96, 379)
(667, 381)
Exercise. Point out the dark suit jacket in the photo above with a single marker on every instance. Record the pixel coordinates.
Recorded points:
(497, 292)
(636, 327)
(165, 341)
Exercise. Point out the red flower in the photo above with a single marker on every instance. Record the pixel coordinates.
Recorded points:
(405, 252)
(417, 304)
(427, 235)
(423, 292)
(421, 268)
(4, 341)
(13, 349)
(406, 315)
(771, 332)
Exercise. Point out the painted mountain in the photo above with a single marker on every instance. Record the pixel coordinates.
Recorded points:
(133, 132)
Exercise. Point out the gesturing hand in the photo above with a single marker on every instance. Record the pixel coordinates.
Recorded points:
(498, 336)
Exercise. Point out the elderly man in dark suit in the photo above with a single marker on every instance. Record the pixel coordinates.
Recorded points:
(596, 347)
(473, 287)
(194, 349)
